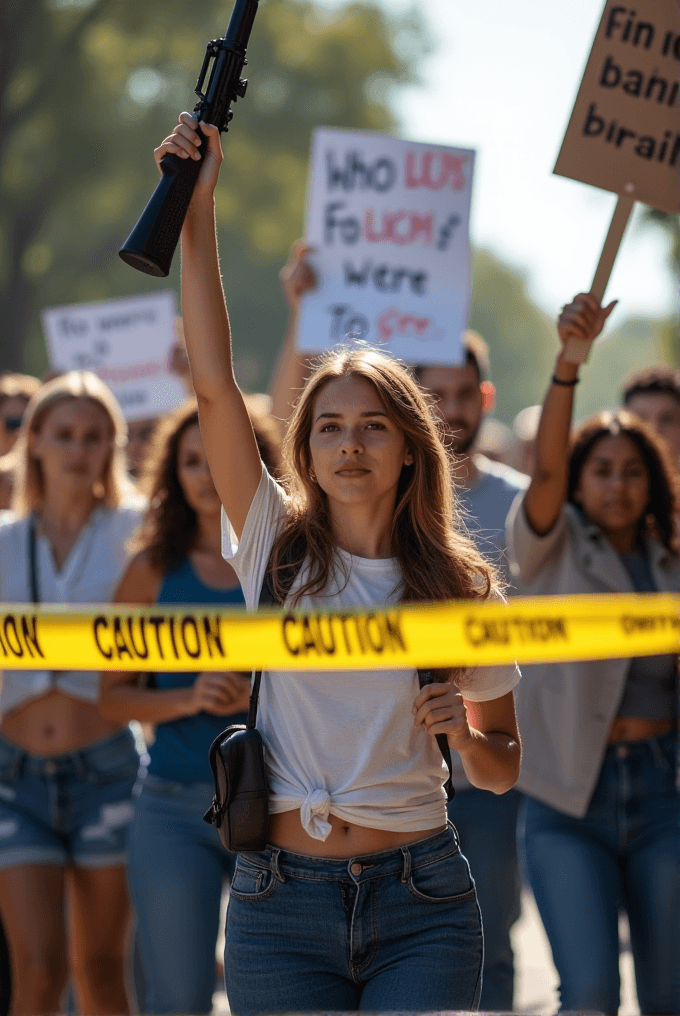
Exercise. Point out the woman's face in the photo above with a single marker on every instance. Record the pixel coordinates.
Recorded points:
(193, 473)
(357, 452)
(613, 488)
(73, 446)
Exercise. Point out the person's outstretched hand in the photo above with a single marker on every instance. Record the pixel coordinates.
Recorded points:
(297, 275)
(184, 142)
(583, 318)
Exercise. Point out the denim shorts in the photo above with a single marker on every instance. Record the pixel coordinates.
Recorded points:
(70, 809)
(392, 931)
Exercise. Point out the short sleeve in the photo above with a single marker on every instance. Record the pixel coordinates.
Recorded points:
(486, 683)
(249, 556)
(527, 551)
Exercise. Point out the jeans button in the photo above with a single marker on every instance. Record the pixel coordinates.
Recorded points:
(622, 751)
(355, 868)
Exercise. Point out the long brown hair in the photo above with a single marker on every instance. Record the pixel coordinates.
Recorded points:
(664, 485)
(29, 485)
(170, 526)
(437, 558)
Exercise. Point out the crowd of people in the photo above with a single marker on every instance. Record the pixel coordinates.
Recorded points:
(364, 485)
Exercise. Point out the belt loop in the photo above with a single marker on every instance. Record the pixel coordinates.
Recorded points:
(406, 871)
(18, 765)
(656, 752)
(275, 865)
(80, 765)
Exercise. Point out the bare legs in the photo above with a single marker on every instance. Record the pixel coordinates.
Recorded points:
(44, 947)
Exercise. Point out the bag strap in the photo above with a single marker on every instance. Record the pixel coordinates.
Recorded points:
(426, 677)
(266, 599)
(33, 561)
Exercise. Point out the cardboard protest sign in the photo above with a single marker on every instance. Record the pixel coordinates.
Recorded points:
(624, 132)
(126, 342)
(389, 221)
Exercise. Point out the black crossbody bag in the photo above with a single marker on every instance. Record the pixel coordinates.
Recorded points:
(240, 805)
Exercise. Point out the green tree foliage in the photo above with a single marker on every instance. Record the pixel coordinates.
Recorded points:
(671, 225)
(89, 87)
(636, 342)
(521, 337)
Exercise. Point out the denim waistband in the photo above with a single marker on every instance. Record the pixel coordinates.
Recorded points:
(647, 745)
(73, 763)
(362, 866)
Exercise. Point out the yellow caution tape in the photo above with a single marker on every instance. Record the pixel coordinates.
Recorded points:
(460, 634)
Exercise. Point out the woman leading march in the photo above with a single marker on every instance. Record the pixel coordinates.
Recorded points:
(360, 851)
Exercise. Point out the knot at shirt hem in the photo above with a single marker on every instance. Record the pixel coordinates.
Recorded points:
(314, 814)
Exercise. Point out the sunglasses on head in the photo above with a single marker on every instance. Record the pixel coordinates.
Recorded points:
(12, 423)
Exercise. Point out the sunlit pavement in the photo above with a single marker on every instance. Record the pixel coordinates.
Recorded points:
(536, 991)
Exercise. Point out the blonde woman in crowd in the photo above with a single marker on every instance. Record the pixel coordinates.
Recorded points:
(66, 773)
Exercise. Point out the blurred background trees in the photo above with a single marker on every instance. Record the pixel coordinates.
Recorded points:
(89, 87)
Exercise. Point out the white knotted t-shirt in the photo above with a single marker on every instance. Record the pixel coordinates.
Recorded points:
(343, 742)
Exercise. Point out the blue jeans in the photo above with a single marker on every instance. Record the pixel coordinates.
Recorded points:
(176, 868)
(396, 930)
(626, 850)
(71, 809)
(487, 826)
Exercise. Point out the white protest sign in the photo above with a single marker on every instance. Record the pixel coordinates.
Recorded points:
(389, 221)
(126, 342)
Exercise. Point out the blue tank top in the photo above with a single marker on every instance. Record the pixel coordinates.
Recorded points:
(180, 751)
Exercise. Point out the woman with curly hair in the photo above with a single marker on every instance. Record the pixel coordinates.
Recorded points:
(362, 900)
(176, 864)
(601, 824)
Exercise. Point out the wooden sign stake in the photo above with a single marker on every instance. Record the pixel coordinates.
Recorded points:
(624, 206)
(576, 350)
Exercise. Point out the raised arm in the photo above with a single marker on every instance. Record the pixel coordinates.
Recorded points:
(581, 319)
(225, 426)
(297, 278)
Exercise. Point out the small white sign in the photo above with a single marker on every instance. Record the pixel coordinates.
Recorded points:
(389, 221)
(127, 343)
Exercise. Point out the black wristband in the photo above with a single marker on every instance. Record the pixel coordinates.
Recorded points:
(565, 384)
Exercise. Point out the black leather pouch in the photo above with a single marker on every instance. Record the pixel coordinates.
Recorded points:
(240, 807)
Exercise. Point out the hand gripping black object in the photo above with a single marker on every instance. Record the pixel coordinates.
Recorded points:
(151, 244)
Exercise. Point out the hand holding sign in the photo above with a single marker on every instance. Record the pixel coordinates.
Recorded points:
(583, 319)
(297, 275)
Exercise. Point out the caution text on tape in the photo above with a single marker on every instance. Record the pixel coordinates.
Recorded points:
(457, 634)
